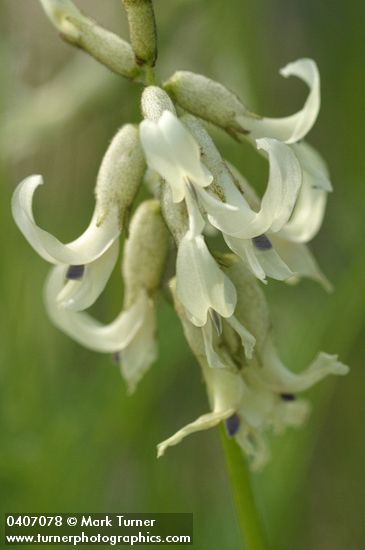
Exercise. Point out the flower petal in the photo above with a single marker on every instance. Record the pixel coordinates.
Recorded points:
(81, 294)
(200, 283)
(171, 151)
(309, 210)
(301, 261)
(185, 148)
(247, 339)
(262, 263)
(231, 216)
(161, 158)
(292, 128)
(277, 204)
(138, 356)
(204, 422)
(275, 376)
(87, 248)
(254, 445)
(196, 220)
(221, 359)
(273, 265)
(284, 183)
(262, 409)
(292, 413)
(313, 163)
(83, 328)
(225, 390)
(213, 358)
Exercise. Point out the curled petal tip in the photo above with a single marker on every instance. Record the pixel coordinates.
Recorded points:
(341, 369)
(160, 451)
(291, 68)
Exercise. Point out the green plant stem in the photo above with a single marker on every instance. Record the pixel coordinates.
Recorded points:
(248, 516)
(149, 76)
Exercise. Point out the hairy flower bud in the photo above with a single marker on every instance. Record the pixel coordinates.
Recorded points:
(145, 250)
(206, 98)
(79, 30)
(154, 102)
(142, 30)
(120, 173)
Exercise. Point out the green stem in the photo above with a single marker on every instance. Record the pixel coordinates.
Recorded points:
(149, 76)
(248, 515)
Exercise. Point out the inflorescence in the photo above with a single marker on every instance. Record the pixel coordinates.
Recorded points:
(195, 193)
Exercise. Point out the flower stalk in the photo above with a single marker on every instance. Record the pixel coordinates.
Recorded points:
(248, 515)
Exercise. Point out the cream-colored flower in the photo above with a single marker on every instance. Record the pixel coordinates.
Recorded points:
(284, 254)
(131, 337)
(277, 203)
(213, 102)
(91, 257)
(252, 395)
(226, 392)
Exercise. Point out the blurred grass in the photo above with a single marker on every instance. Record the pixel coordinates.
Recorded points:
(71, 439)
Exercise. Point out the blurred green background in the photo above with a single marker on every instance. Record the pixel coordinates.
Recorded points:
(71, 438)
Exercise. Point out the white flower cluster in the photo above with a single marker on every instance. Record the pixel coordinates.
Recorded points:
(217, 296)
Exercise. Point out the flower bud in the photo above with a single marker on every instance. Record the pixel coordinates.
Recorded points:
(145, 251)
(154, 102)
(206, 99)
(142, 30)
(79, 30)
(120, 173)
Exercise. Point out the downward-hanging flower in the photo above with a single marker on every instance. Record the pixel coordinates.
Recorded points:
(252, 403)
(90, 259)
(213, 102)
(131, 337)
(207, 294)
(173, 153)
(261, 393)
(226, 391)
(244, 226)
(276, 205)
(284, 254)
